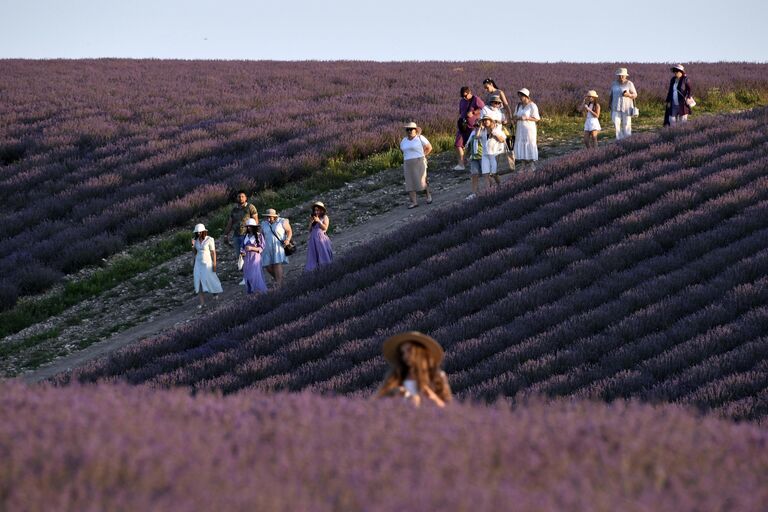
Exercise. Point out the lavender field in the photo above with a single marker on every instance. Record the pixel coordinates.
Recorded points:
(130, 448)
(97, 154)
(635, 271)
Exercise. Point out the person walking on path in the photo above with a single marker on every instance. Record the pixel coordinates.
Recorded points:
(204, 272)
(415, 372)
(319, 251)
(491, 90)
(591, 109)
(679, 97)
(486, 142)
(277, 234)
(253, 245)
(469, 114)
(622, 103)
(415, 148)
(526, 115)
(238, 217)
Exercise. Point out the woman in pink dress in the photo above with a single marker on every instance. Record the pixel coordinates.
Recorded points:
(253, 244)
(319, 250)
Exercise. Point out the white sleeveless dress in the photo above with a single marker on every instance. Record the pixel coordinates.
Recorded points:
(204, 275)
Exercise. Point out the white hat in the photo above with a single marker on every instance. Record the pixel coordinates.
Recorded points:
(592, 93)
(251, 222)
(271, 213)
(411, 125)
(678, 67)
(524, 92)
(199, 228)
(622, 72)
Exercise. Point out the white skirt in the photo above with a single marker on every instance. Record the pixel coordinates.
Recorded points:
(525, 141)
(592, 124)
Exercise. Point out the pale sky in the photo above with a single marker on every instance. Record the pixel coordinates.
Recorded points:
(543, 30)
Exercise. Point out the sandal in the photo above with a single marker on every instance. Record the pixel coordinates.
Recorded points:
(429, 200)
(411, 206)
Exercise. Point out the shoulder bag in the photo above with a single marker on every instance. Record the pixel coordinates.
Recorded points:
(290, 247)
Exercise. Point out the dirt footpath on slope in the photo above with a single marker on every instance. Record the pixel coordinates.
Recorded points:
(361, 210)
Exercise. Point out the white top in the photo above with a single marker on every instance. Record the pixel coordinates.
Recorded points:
(411, 388)
(529, 110)
(413, 148)
(490, 145)
(494, 113)
(619, 102)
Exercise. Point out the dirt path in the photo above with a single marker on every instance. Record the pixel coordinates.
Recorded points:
(364, 209)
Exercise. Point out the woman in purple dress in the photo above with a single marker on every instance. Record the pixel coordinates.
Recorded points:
(319, 250)
(253, 244)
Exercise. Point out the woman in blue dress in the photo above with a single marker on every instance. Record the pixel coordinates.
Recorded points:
(277, 234)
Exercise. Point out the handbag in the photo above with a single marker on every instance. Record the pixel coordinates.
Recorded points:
(633, 110)
(240, 262)
(290, 247)
(690, 101)
(510, 140)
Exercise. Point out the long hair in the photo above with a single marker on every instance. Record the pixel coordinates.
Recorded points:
(201, 235)
(425, 372)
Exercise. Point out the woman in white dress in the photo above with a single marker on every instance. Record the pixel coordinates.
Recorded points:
(205, 264)
(415, 373)
(622, 101)
(526, 115)
(591, 109)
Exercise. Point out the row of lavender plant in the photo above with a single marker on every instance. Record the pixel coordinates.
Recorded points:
(108, 152)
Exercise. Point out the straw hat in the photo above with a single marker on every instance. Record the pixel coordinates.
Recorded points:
(494, 98)
(391, 347)
(199, 228)
(271, 213)
(251, 222)
(319, 205)
(678, 67)
(592, 93)
(525, 92)
(411, 125)
(622, 72)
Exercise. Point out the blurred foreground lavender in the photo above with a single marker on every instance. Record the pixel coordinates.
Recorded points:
(96, 154)
(130, 448)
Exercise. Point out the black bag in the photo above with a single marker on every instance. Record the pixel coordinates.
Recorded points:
(462, 124)
(290, 247)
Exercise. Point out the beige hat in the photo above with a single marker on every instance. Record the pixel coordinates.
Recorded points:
(592, 93)
(495, 98)
(271, 213)
(622, 72)
(411, 125)
(251, 222)
(319, 205)
(199, 228)
(391, 347)
(678, 67)
(524, 92)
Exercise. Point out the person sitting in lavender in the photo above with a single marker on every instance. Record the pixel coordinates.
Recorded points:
(251, 248)
(678, 97)
(415, 373)
(319, 251)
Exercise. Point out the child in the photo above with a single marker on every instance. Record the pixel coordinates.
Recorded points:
(591, 108)
(485, 143)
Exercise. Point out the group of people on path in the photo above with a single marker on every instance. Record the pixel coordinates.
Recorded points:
(258, 246)
(484, 129)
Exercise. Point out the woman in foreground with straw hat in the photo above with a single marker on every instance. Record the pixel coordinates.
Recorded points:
(591, 109)
(679, 97)
(526, 115)
(415, 372)
(277, 234)
(319, 251)
(204, 272)
(415, 148)
(251, 248)
(622, 103)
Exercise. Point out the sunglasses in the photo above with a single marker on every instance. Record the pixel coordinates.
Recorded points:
(410, 129)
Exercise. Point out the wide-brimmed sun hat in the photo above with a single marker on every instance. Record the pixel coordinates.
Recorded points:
(592, 94)
(199, 228)
(391, 347)
(622, 72)
(319, 204)
(271, 213)
(525, 92)
(678, 67)
(411, 125)
(495, 98)
(251, 222)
